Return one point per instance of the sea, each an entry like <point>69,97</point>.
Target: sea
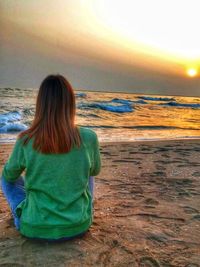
<point>115,117</point>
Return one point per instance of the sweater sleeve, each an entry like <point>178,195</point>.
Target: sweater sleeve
<point>15,164</point>
<point>96,163</point>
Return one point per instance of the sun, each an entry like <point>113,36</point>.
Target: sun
<point>192,72</point>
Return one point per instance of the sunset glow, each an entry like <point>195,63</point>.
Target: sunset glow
<point>157,24</point>
<point>103,43</point>
<point>163,30</point>
<point>192,72</point>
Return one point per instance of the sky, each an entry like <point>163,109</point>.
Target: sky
<point>105,45</point>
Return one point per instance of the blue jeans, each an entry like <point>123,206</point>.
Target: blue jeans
<point>15,194</point>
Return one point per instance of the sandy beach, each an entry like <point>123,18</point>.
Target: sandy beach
<point>146,212</point>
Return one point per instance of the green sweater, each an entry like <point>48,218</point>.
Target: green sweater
<point>58,202</point>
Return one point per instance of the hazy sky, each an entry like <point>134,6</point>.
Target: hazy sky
<point>133,46</point>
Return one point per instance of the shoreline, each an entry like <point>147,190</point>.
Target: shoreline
<point>128,141</point>
<point>151,140</point>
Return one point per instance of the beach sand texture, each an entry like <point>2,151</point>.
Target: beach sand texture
<point>146,212</point>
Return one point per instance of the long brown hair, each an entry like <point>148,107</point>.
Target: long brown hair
<point>53,128</point>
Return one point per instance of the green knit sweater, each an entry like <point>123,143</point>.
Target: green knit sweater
<point>58,202</point>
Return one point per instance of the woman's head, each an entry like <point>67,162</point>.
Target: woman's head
<point>56,100</point>
<point>53,127</point>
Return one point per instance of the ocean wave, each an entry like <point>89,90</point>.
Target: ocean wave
<point>100,126</point>
<point>81,95</point>
<point>88,115</point>
<point>127,102</point>
<point>118,109</point>
<point>184,105</point>
<point>121,101</point>
<point>157,98</point>
<point>105,106</point>
<point>11,116</point>
<point>13,127</point>
<point>115,105</point>
<point>9,122</point>
<point>152,127</point>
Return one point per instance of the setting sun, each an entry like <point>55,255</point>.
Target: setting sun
<point>191,72</point>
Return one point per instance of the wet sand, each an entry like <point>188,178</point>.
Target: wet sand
<point>146,212</point>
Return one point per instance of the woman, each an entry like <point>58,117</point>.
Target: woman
<point>54,201</point>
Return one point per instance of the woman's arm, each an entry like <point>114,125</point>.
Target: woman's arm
<point>96,166</point>
<point>15,164</point>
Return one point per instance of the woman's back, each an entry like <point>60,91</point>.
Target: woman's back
<point>58,200</point>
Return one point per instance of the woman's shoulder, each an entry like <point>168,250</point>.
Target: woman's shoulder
<point>24,141</point>
<point>87,133</point>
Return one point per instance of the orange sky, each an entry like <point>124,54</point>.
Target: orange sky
<point>77,39</point>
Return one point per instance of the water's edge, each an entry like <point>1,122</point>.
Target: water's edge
<point>190,138</point>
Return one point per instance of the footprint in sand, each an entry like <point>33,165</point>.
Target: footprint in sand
<point>151,201</point>
<point>160,168</point>
<point>116,255</point>
<point>189,210</point>
<point>165,156</point>
<point>159,173</point>
<point>192,265</point>
<point>196,174</point>
<point>148,262</point>
<point>196,217</point>
<point>13,264</point>
<point>9,224</point>
<point>160,238</point>
<point>180,182</point>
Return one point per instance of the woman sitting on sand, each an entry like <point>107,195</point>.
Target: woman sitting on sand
<point>54,201</point>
